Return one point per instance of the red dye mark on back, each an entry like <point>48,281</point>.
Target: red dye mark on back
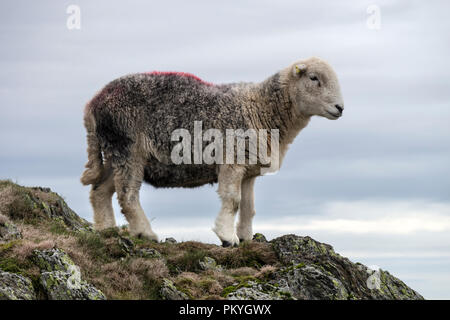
<point>109,92</point>
<point>179,74</point>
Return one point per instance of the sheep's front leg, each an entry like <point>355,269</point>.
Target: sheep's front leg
<point>246,210</point>
<point>230,178</point>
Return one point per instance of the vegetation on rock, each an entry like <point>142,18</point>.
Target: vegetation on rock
<point>48,252</point>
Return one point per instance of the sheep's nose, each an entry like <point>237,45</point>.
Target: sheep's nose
<point>339,107</point>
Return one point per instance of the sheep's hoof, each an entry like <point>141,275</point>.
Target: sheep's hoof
<point>152,238</point>
<point>227,244</point>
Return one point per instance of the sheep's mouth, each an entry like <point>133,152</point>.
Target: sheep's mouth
<point>333,114</point>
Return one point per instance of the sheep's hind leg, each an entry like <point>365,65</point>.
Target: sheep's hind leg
<point>128,180</point>
<point>246,210</point>
<point>229,190</point>
<point>101,200</point>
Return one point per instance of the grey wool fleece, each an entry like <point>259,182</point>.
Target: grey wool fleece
<point>153,105</point>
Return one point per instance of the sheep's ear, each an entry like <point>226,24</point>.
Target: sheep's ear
<point>299,69</point>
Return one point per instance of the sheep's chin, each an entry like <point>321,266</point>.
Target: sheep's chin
<point>331,116</point>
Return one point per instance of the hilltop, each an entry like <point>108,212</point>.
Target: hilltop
<point>48,252</point>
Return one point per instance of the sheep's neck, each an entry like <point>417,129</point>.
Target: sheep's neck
<point>274,110</point>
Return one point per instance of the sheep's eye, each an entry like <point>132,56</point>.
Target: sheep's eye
<point>314,78</point>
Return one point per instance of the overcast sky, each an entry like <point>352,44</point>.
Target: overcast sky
<point>374,184</point>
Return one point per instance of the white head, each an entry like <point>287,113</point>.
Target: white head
<point>314,89</point>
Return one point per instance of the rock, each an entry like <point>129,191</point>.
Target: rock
<point>209,263</point>
<point>258,291</point>
<point>60,285</point>
<point>250,294</point>
<point>308,282</point>
<point>59,210</point>
<point>8,231</point>
<point>170,292</point>
<point>52,260</point>
<point>259,237</point>
<point>147,253</point>
<point>126,244</point>
<point>314,271</point>
<point>61,278</point>
<point>128,247</point>
<point>15,287</point>
<point>43,189</point>
<point>292,249</point>
<point>39,203</point>
<point>170,240</point>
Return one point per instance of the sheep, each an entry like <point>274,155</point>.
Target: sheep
<point>130,121</point>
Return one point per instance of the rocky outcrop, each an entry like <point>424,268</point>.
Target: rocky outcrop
<point>38,230</point>
<point>61,278</point>
<point>31,204</point>
<point>59,210</point>
<point>311,270</point>
<point>314,271</point>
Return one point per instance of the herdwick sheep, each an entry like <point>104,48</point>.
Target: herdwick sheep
<point>130,121</point>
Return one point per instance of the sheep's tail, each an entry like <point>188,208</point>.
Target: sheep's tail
<point>94,166</point>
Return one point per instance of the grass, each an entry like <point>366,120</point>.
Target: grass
<point>187,261</point>
<point>10,264</point>
<point>58,227</point>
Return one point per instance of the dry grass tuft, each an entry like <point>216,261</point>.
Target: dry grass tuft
<point>25,250</point>
<point>198,286</point>
<point>117,282</point>
<point>251,254</point>
<point>153,269</point>
<point>3,219</point>
<point>224,278</point>
<point>265,272</point>
<point>243,271</point>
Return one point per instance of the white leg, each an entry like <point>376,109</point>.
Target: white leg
<point>128,182</point>
<point>246,210</point>
<point>101,200</point>
<point>229,190</point>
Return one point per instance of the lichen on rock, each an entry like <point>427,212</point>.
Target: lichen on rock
<point>8,230</point>
<point>15,287</point>
<point>209,263</point>
<point>259,237</point>
<point>253,290</point>
<point>169,291</point>
<point>52,260</point>
<point>314,271</point>
<point>61,278</point>
<point>58,286</point>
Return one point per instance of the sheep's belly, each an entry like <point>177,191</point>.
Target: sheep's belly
<point>162,175</point>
